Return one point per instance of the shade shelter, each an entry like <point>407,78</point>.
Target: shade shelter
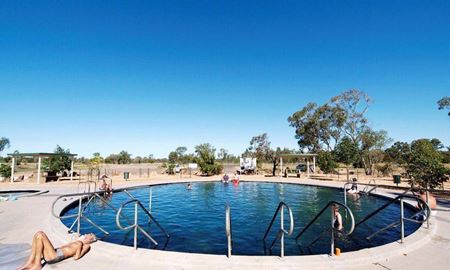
<point>39,156</point>
<point>308,157</point>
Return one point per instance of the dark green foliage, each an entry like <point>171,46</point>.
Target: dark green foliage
<point>424,166</point>
<point>206,159</point>
<point>326,161</point>
<point>444,104</point>
<point>346,151</point>
<point>398,153</point>
<point>5,170</point>
<point>4,143</point>
<point>58,163</point>
<point>316,127</point>
<point>124,157</point>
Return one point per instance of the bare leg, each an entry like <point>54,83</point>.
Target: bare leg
<point>41,248</point>
<point>33,253</point>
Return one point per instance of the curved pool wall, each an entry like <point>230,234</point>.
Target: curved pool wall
<point>195,218</point>
<point>21,193</point>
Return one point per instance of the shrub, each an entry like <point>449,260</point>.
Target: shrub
<point>5,170</point>
<point>326,162</point>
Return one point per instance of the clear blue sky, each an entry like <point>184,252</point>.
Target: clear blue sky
<point>149,76</point>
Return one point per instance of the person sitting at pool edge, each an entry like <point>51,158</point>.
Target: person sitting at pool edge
<point>354,188</point>
<point>104,186</point>
<point>337,218</point>
<point>225,178</point>
<point>42,249</point>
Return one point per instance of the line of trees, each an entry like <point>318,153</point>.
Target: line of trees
<point>339,132</point>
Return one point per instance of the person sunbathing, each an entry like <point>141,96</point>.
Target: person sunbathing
<point>42,249</point>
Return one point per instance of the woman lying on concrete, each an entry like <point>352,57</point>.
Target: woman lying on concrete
<point>42,249</point>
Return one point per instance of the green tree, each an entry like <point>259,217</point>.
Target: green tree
<point>444,104</point>
<point>398,153</point>
<point>326,161</point>
<point>424,166</point>
<point>59,162</point>
<point>372,148</point>
<point>351,107</point>
<point>206,159</point>
<point>4,143</point>
<point>112,159</point>
<point>124,157</point>
<point>316,127</point>
<point>5,170</point>
<point>346,152</point>
<point>260,148</point>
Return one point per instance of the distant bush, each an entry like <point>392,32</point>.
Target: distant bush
<point>5,170</point>
<point>385,169</point>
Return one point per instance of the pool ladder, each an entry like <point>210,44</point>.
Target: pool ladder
<point>282,231</point>
<point>426,212</point>
<point>135,226</point>
<point>89,196</point>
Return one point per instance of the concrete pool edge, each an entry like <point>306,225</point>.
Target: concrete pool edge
<point>361,257</point>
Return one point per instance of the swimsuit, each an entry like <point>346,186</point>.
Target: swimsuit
<point>59,257</point>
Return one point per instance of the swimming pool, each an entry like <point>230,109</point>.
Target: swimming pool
<point>195,218</point>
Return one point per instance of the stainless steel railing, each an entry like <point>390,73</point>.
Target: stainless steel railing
<point>89,196</point>
<point>425,213</point>
<point>87,184</point>
<point>368,188</point>
<point>228,229</point>
<point>282,232</point>
<point>331,228</point>
<point>135,226</point>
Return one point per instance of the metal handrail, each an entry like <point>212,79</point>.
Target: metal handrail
<point>282,231</point>
<point>400,197</point>
<point>136,226</point>
<point>228,229</point>
<point>374,187</point>
<point>332,229</point>
<point>88,184</point>
<point>149,200</point>
<point>79,216</point>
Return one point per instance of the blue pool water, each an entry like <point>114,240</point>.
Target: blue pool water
<point>195,219</point>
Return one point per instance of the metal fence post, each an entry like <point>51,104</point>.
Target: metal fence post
<point>402,223</point>
<point>79,216</point>
<point>332,232</point>
<point>135,224</point>
<point>282,230</point>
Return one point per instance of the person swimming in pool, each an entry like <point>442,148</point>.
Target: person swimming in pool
<point>337,218</point>
<point>42,249</point>
<point>225,178</point>
<point>354,187</point>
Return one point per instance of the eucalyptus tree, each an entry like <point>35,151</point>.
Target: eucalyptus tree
<point>4,143</point>
<point>317,127</point>
<point>372,148</point>
<point>444,104</point>
<point>346,152</point>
